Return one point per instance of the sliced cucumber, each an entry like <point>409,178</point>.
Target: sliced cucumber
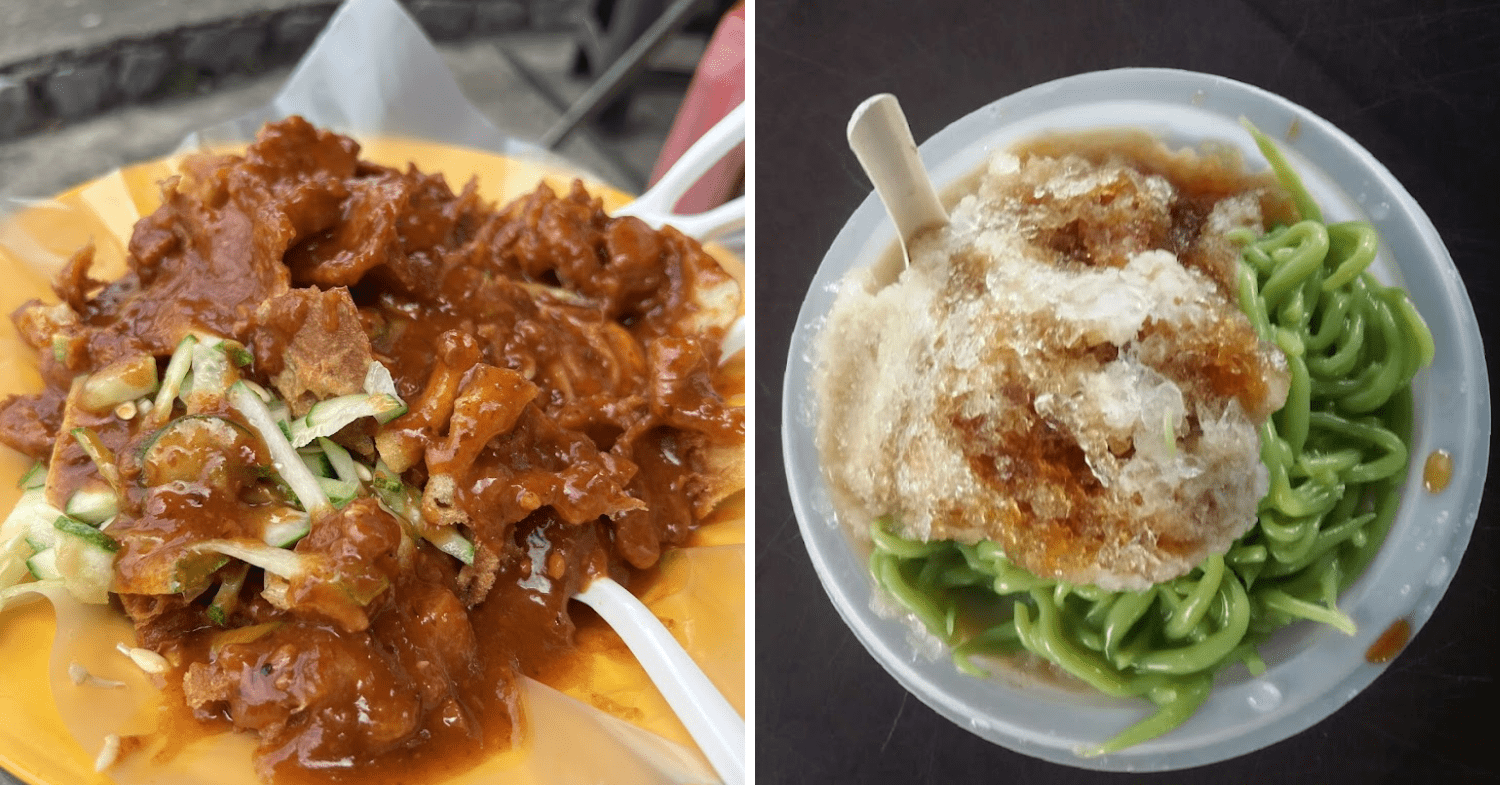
<point>86,560</point>
<point>42,534</point>
<point>343,463</point>
<point>260,392</point>
<point>100,454</point>
<point>14,553</point>
<point>188,572</point>
<point>286,460</point>
<point>282,415</point>
<point>397,500</point>
<point>188,447</point>
<point>213,374</point>
<point>70,527</point>
<point>227,598</point>
<point>327,418</point>
<point>401,501</point>
<point>284,526</point>
<point>280,412</point>
<point>388,408</point>
<point>290,565</point>
<point>171,381</point>
<point>277,561</point>
<point>35,477</point>
<point>120,381</point>
<point>316,462</point>
<point>236,352</point>
<point>94,503</point>
<point>391,490</point>
<point>449,541</point>
<point>31,507</point>
<point>339,492</point>
<point>22,593</point>
<point>43,565</point>
<point>31,521</point>
<point>194,573</point>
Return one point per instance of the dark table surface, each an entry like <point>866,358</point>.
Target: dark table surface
<point>1416,83</point>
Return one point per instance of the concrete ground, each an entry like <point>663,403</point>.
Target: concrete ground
<point>30,29</point>
<point>521,81</point>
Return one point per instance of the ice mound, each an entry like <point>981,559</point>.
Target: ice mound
<point>1061,370</point>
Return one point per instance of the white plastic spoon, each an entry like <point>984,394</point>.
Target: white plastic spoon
<point>882,141</point>
<point>714,724</point>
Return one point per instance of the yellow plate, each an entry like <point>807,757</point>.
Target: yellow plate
<point>699,595</point>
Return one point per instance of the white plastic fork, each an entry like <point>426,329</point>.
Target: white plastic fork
<point>714,724</point>
<point>655,205</point>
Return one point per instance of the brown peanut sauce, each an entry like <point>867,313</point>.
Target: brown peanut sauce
<point>611,401</point>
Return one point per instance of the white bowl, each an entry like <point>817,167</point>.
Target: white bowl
<point>1313,669</point>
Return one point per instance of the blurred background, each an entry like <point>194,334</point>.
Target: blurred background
<point>87,86</point>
